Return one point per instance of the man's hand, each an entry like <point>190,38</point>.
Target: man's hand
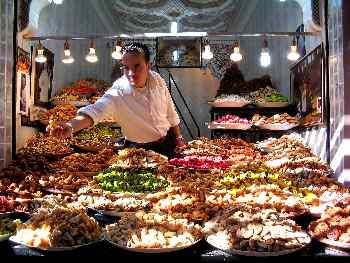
<point>61,131</point>
<point>65,130</point>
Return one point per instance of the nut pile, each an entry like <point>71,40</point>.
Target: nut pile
<point>275,119</point>
<point>84,162</point>
<point>137,158</point>
<point>152,230</point>
<point>59,227</point>
<point>254,231</point>
<point>334,223</point>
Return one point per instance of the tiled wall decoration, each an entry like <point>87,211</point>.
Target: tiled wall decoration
<point>6,68</point>
<point>346,56</point>
<point>336,83</point>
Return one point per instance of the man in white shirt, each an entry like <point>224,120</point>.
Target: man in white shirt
<point>139,101</point>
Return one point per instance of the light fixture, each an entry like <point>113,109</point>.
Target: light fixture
<point>40,57</point>
<point>293,55</point>
<point>67,58</point>
<point>207,54</point>
<point>91,57</point>
<point>173,27</point>
<point>175,55</point>
<point>265,58</point>
<point>282,0</point>
<point>236,56</point>
<point>117,53</point>
<point>57,2</point>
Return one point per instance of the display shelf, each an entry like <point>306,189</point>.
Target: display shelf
<point>250,110</point>
<point>249,135</point>
<point>253,134</point>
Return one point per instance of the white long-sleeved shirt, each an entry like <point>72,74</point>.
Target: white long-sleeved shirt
<point>145,115</point>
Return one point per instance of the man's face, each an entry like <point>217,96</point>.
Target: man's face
<point>135,69</point>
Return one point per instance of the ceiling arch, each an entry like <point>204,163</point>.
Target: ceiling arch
<point>156,15</point>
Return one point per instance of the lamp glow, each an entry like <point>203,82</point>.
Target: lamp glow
<point>57,2</point>
<point>207,54</point>
<point>293,55</point>
<point>40,58</point>
<point>173,27</point>
<point>175,55</point>
<point>67,59</point>
<point>91,57</point>
<point>236,56</point>
<point>265,59</point>
<point>117,53</point>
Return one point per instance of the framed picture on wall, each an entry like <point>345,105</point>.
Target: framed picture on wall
<point>23,82</point>
<point>42,78</point>
<point>308,88</point>
<point>175,52</point>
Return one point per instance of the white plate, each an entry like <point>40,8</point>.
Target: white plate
<point>14,240</point>
<point>335,243</point>
<point>255,253</point>
<point>237,126</point>
<point>277,126</point>
<point>227,104</point>
<point>272,104</point>
<point>151,250</point>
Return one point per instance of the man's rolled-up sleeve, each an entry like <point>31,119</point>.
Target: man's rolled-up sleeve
<point>103,109</point>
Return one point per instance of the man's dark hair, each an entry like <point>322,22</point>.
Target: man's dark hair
<point>137,48</point>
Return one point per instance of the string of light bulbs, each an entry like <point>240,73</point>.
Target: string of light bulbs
<point>207,54</point>
<point>265,58</point>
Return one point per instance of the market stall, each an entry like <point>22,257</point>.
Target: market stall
<point>252,188</point>
<point>223,196</point>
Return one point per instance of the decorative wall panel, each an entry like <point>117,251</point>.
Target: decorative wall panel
<point>6,72</point>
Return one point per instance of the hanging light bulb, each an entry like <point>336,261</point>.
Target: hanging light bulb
<point>293,55</point>
<point>173,27</point>
<point>265,58</point>
<point>91,57</point>
<point>67,59</point>
<point>236,55</point>
<point>175,55</point>
<point>207,54</point>
<point>57,2</point>
<point>117,53</point>
<point>40,57</point>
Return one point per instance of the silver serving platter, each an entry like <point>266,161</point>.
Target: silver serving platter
<point>277,104</point>
<point>14,240</point>
<point>254,253</point>
<point>151,250</point>
<point>277,126</point>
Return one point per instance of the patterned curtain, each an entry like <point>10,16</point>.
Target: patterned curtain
<point>221,60</point>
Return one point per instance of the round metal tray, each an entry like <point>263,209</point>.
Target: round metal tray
<point>152,250</point>
<point>272,104</point>
<point>14,240</point>
<point>277,127</point>
<point>254,253</point>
